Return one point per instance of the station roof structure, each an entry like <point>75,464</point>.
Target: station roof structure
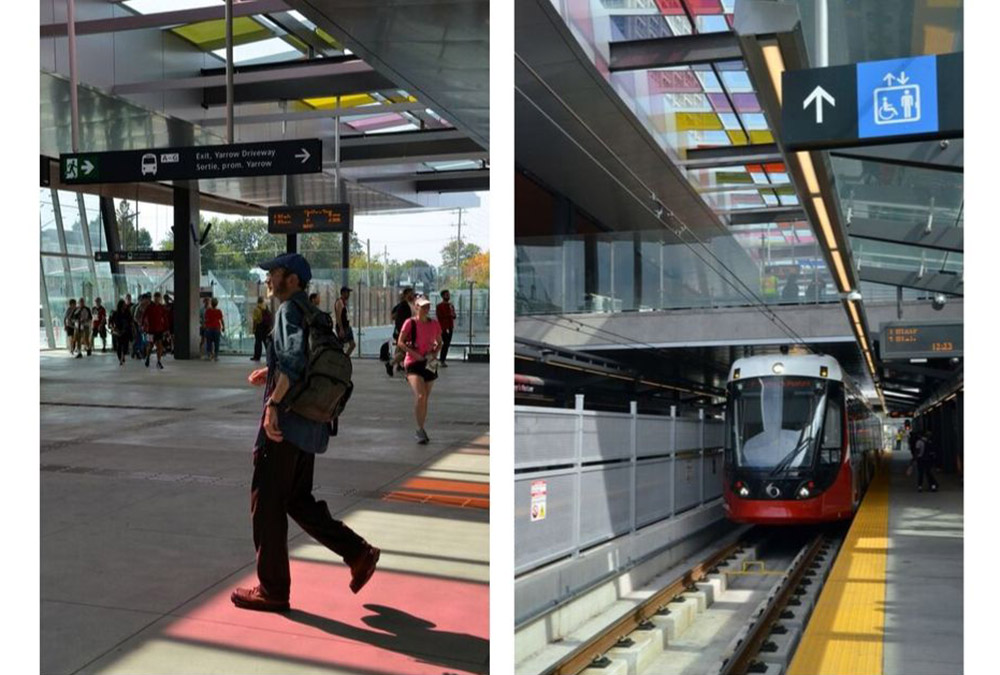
<point>410,95</point>
<point>702,139</point>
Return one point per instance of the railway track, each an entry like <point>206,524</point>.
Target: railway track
<point>742,609</point>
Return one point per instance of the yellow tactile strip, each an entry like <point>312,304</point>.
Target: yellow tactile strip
<point>846,631</point>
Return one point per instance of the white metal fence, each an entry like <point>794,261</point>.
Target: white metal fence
<point>584,477</point>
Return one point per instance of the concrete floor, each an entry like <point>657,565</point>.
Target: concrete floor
<point>145,526</point>
<point>924,576</point>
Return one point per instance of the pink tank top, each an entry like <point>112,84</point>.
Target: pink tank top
<point>427,334</point>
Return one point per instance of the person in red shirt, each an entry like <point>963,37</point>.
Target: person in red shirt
<point>100,315</point>
<point>214,325</point>
<point>155,323</point>
<point>445,312</point>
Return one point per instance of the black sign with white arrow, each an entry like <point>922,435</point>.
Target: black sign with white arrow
<point>901,100</point>
<point>276,158</point>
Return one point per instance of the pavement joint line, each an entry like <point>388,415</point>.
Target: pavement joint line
<point>117,406</point>
<point>97,606</point>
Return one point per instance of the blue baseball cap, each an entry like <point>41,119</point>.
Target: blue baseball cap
<point>293,262</point>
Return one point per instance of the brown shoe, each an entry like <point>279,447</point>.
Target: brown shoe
<point>363,568</point>
<point>254,598</point>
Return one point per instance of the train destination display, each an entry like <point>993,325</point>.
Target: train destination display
<point>922,340</point>
<point>272,158</point>
<point>311,218</point>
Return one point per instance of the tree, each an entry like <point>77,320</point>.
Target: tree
<point>477,268</point>
<point>131,237</point>
<point>453,257</point>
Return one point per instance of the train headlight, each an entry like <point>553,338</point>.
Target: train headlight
<point>778,368</point>
<point>804,492</point>
<point>744,492</point>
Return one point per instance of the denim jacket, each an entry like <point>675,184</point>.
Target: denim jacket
<point>286,354</point>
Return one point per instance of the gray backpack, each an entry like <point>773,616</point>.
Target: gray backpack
<point>325,388</point>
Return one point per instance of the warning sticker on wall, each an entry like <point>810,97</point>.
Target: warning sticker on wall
<point>538,493</point>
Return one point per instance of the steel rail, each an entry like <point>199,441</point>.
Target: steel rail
<point>609,637</point>
<point>746,652</point>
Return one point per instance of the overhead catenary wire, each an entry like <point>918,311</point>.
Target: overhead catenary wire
<point>735,282</point>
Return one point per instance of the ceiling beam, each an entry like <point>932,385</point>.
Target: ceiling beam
<point>163,19</point>
<point>935,282</point>
<point>708,158</point>
<point>361,80</point>
<point>946,238</point>
<point>408,147</point>
<point>317,114</point>
<point>936,155</point>
<point>773,215</point>
<point>449,184</point>
<point>915,369</point>
<point>681,50</point>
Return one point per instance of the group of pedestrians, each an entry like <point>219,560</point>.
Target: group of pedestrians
<point>211,326</point>
<point>136,328</point>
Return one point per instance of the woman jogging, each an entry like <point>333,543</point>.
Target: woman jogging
<point>121,330</point>
<point>420,338</point>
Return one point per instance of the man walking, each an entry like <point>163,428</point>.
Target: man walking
<point>100,324</point>
<point>925,461</point>
<point>261,323</point>
<point>400,313</point>
<point>83,328</point>
<point>285,454</point>
<point>344,330</point>
<point>69,325</point>
<point>155,324</point>
<point>445,312</point>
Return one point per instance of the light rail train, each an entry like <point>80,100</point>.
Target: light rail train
<point>801,441</point>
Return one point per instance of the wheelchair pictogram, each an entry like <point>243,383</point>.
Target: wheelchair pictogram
<point>898,102</point>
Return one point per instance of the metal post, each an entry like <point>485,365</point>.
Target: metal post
<point>74,103</point>
<point>822,34</point>
<point>673,460</point>
<point>578,478</point>
<point>50,336</point>
<point>634,412</point>
<point>701,456</point>
<point>229,71</point>
<point>472,304</point>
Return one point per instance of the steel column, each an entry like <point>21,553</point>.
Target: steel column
<point>74,103</point>
<point>229,72</point>
<point>187,269</point>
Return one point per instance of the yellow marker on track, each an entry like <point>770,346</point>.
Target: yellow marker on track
<point>846,632</point>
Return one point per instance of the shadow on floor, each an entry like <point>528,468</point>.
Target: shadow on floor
<point>398,631</point>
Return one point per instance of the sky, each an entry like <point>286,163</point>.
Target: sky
<point>420,234</point>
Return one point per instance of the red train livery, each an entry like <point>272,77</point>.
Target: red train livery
<point>801,441</point>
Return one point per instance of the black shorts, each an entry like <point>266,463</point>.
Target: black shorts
<point>102,331</point>
<point>156,337</point>
<point>420,368</point>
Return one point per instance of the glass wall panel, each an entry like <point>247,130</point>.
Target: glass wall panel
<point>72,223</point>
<point>50,234</point>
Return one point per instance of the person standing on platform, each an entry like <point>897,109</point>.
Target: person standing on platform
<point>445,313</point>
<point>138,320</point>
<point>261,325</point>
<point>420,339</point>
<point>285,455</point>
<point>214,326</point>
<point>84,320</point>
<point>155,324</point>
<point>344,330</point>
<point>69,325</point>
<point>121,330</point>
<point>202,351</point>
<point>925,461</point>
<point>400,313</point>
<point>100,324</point>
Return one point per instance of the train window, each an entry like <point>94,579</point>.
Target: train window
<point>832,432</point>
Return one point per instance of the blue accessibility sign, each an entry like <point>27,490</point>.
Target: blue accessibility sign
<point>897,97</point>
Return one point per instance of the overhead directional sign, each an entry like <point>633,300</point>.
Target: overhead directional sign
<point>876,102</point>
<point>134,256</point>
<point>922,339</point>
<point>191,163</point>
<point>312,218</point>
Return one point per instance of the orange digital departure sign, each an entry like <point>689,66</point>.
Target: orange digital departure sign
<point>929,340</point>
<point>311,218</point>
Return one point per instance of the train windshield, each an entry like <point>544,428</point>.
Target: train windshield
<point>775,422</point>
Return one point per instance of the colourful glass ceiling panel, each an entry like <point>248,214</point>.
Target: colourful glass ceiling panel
<point>204,33</point>
<point>744,102</point>
<point>674,82</point>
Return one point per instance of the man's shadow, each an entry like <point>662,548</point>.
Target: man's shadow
<point>397,631</point>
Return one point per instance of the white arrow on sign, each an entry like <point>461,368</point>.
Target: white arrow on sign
<point>819,94</point>
<point>304,155</point>
<point>87,167</point>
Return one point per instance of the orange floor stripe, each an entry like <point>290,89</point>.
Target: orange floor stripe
<point>441,500</point>
<point>440,485</point>
<point>846,632</point>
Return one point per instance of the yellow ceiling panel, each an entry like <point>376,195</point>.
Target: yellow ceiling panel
<point>687,121</point>
<point>245,29</point>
